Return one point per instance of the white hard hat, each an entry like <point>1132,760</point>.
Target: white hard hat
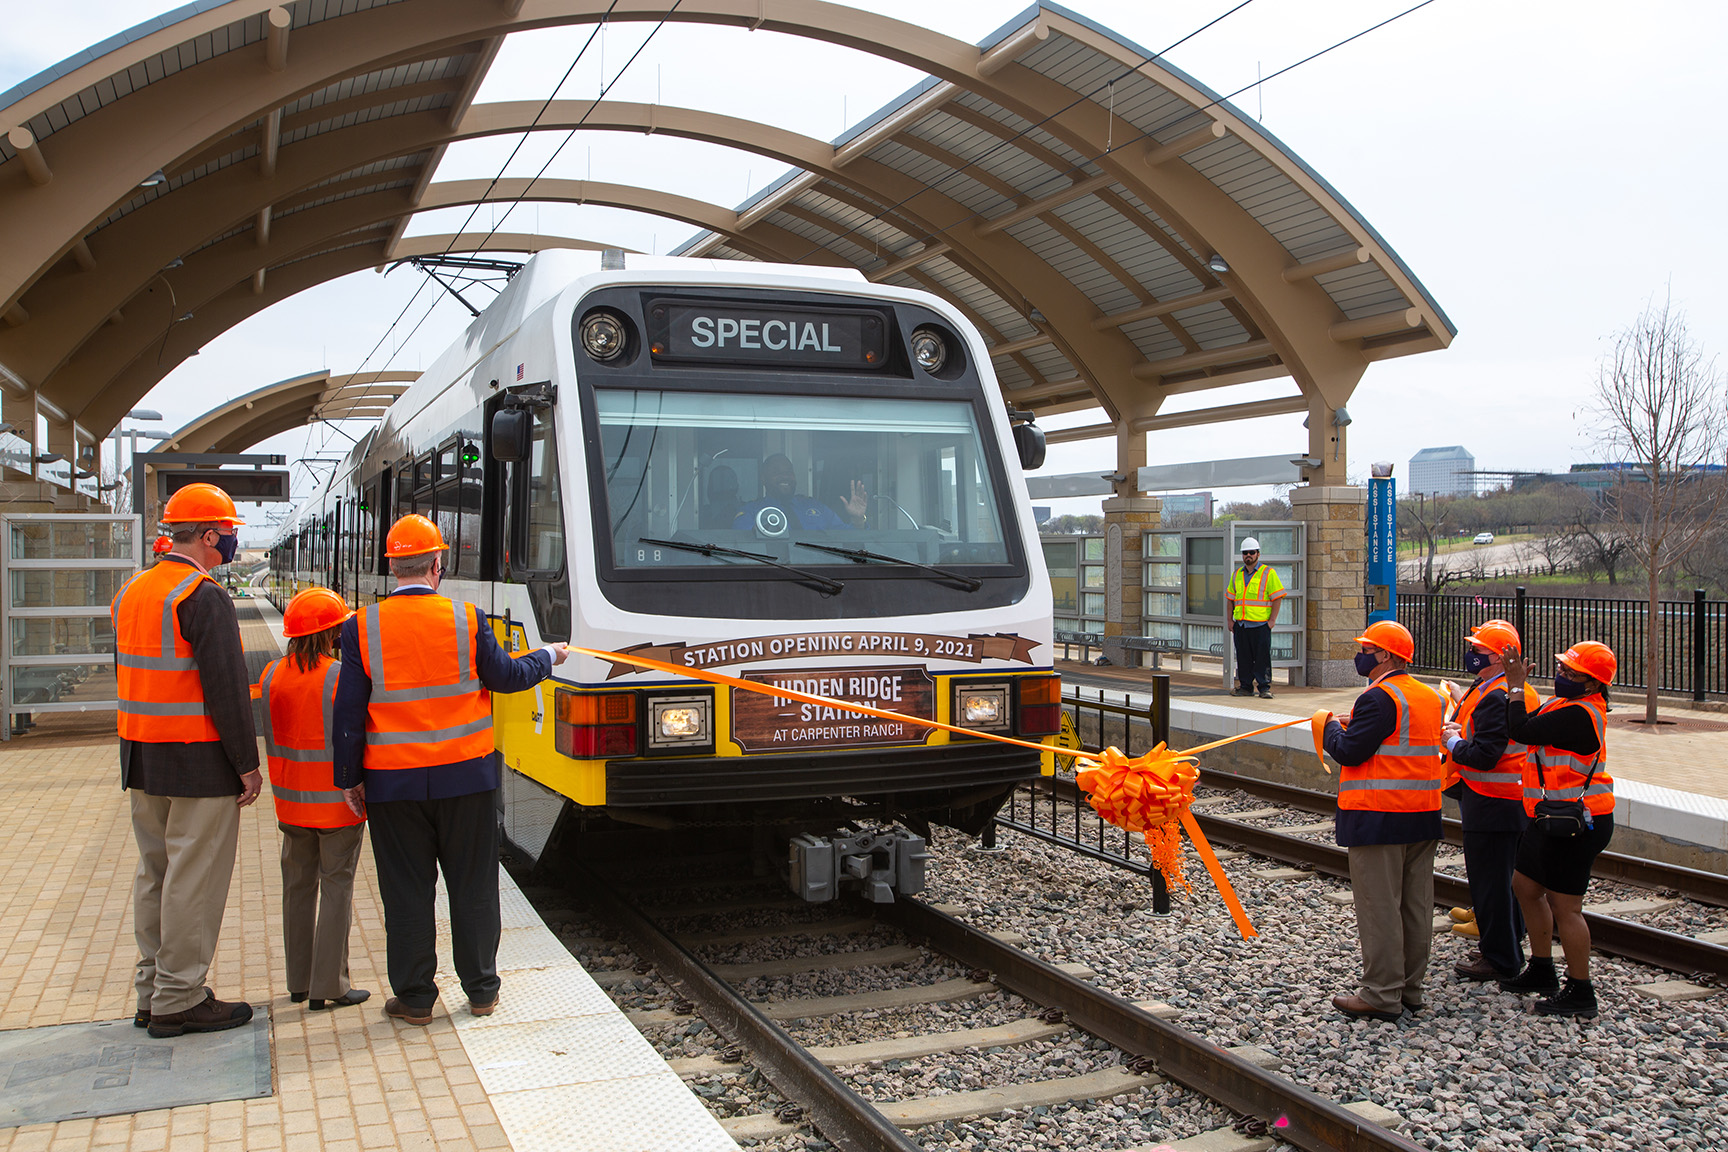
<point>1250,545</point>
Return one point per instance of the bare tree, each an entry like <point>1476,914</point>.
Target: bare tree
<point>1598,546</point>
<point>1662,410</point>
<point>1427,519</point>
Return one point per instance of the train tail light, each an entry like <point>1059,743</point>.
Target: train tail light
<point>1040,710</point>
<point>591,725</point>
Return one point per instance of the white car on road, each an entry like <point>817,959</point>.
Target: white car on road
<point>1483,538</point>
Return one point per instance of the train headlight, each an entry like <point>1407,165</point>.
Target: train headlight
<point>929,350</point>
<point>983,707</point>
<point>603,336</point>
<point>681,723</point>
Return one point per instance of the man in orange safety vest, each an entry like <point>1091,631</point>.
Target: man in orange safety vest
<point>1389,818</point>
<point>413,718</point>
<point>188,759</point>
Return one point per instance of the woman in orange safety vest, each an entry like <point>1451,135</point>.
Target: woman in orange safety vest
<point>321,833</point>
<point>1568,760</point>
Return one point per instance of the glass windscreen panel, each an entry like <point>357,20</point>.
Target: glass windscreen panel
<point>769,474</point>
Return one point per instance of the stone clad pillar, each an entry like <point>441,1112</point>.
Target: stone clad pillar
<point>1337,608</point>
<point>1125,519</point>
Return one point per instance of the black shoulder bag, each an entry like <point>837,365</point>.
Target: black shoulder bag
<point>1564,817</point>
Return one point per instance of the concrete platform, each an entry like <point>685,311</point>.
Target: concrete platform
<point>556,1067</point>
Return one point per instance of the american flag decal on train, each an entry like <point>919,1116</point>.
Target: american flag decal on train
<point>519,368</point>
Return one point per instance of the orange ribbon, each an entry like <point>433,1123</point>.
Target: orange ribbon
<point>1149,794</point>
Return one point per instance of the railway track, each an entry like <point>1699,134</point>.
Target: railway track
<point>1671,951</point>
<point>1152,1051</point>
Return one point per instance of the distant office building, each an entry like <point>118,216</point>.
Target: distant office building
<point>1442,472</point>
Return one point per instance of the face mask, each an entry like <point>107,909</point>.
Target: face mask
<point>228,545</point>
<point>1366,662</point>
<point>1568,689</point>
<point>1475,661</point>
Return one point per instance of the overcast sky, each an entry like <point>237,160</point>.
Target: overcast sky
<point>1544,168</point>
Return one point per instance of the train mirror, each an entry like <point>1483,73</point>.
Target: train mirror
<point>510,432</point>
<point>1029,442</point>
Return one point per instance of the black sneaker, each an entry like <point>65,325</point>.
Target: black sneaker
<point>1538,976</point>
<point>1577,998</point>
<point>1242,692</point>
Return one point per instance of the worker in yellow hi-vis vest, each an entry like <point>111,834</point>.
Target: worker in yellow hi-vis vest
<point>1251,609</point>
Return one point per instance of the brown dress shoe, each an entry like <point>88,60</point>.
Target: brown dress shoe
<point>1480,969</point>
<point>476,1008</point>
<point>212,1015</point>
<point>396,1010</point>
<point>1359,1009</point>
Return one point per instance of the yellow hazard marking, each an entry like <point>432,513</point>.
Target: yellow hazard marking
<point>1067,738</point>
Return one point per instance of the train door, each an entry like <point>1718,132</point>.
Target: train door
<point>527,481</point>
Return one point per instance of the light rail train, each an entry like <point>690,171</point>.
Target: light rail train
<point>786,474</point>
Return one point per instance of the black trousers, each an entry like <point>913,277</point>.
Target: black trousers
<point>1488,859</point>
<point>412,841</point>
<point>1253,655</point>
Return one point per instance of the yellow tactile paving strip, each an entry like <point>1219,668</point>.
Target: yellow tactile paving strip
<point>346,1080</point>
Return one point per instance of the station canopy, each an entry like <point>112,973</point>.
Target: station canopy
<point>1118,233</point>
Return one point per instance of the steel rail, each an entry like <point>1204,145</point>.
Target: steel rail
<point>1692,883</point>
<point>845,1118</point>
<point>1670,951</point>
<point>1301,1117</point>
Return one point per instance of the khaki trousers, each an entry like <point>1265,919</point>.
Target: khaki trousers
<point>186,848</point>
<point>1393,885</point>
<point>318,906</point>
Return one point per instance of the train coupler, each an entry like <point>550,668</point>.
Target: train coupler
<point>877,863</point>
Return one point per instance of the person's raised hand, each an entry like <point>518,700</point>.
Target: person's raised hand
<point>1512,663</point>
<point>560,653</point>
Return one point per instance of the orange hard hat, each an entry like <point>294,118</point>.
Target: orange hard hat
<point>163,544</point>
<point>1392,637</point>
<point>197,502</point>
<point>1496,636</point>
<point>413,535</point>
<point>1594,660</point>
<point>312,611</point>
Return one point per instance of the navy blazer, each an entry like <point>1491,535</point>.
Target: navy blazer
<point>499,672</point>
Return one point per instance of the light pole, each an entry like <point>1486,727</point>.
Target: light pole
<point>144,414</point>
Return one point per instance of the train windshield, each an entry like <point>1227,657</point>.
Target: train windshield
<point>775,474</point>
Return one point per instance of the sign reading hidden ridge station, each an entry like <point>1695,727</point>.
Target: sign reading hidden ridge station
<point>762,723</point>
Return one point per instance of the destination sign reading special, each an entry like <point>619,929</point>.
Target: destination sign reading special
<point>722,332</point>
<point>762,723</point>
<point>971,649</point>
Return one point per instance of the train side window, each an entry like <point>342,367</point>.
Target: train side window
<point>424,473</point>
<point>469,503</point>
<point>544,523</point>
<point>369,513</point>
<point>444,499</point>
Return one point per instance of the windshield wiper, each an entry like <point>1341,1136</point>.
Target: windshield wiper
<point>828,586</point>
<point>859,555</point>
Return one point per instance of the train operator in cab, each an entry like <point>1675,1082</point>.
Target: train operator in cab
<point>1568,762</point>
<point>188,760</point>
<point>414,744</point>
<point>1485,774</point>
<point>1254,595</point>
<point>321,834</point>
<point>1389,819</point>
<point>780,490</point>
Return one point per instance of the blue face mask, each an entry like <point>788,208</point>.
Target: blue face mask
<point>1366,662</point>
<point>1568,689</point>
<point>227,545</point>
<point>1475,661</point>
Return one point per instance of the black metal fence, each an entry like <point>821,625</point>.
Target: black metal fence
<point>1693,634</point>
<point>1040,811</point>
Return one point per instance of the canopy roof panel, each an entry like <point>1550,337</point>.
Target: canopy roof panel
<point>1119,233</point>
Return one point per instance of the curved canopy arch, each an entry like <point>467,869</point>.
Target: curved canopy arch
<point>1114,253</point>
<point>292,403</point>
